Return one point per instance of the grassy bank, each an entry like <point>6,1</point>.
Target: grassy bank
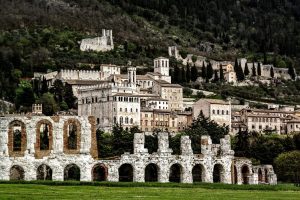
<point>32,190</point>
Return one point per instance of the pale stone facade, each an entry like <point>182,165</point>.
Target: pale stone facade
<point>103,43</point>
<point>216,110</point>
<point>216,163</point>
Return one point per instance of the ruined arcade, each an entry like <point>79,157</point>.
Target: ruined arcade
<point>65,148</point>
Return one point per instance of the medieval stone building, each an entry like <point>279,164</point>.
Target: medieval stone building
<point>65,148</point>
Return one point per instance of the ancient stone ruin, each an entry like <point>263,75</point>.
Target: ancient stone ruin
<point>103,43</point>
<point>65,148</point>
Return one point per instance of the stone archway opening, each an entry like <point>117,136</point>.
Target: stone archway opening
<point>126,173</point>
<point>44,172</point>
<point>72,173</point>
<point>266,176</point>
<point>198,173</point>
<point>260,176</point>
<point>235,175</point>
<point>245,174</point>
<point>16,173</point>
<point>99,173</point>
<point>151,173</point>
<point>175,173</point>
<point>218,173</point>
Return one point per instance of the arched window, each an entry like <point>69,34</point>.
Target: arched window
<point>44,136</point>
<point>115,120</point>
<point>99,172</point>
<point>72,136</point>
<point>131,121</point>
<point>126,120</point>
<point>121,120</point>
<point>218,174</point>
<point>16,138</point>
<point>198,173</point>
<point>245,174</point>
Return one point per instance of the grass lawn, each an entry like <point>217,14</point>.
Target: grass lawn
<point>35,191</point>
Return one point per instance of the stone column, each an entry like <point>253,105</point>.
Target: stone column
<point>163,144</point>
<point>57,173</point>
<point>185,146</point>
<point>113,173</point>
<point>206,145</point>
<point>164,171</point>
<point>139,171</point>
<point>139,144</point>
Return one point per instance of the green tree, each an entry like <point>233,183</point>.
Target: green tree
<point>246,71</point>
<point>272,72</point>
<point>183,75</point>
<point>221,74</point>
<point>69,97</point>
<point>24,96</point>
<point>253,70</point>
<point>44,88</point>
<point>259,69</point>
<point>49,104</point>
<point>291,72</point>
<point>239,73</point>
<point>287,166</point>
<point>194,58</point>
<point>58,90</point>
<point>177,74</point>
<point>194,73</point>
<point>203,71</point>
<point>188,73</point>
<point>210,71</point>
<point>216,76</point>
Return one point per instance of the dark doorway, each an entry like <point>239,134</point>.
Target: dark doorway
<point>245,174</point>
<point>197,173</point>
<point>218,173</point>
<point>151,173</point>
<point>99,173</point>
<point>175,173</point>
<point>72,173</point>
<point>126,173</point>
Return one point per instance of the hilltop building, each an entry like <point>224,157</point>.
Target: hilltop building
<point>103,43</point>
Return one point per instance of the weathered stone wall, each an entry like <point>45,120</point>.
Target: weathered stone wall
<point>86,157</point>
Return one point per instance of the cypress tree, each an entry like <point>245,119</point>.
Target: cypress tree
<point>239,73</point>
<point>246,71</point>
<point>203,71</point>
<point>209,71</point>
<point>194,73</point>
<point>259,69</point>
<point>44,88</point>
<point>216,77</point>
<point>183,75</point>
<point>188,73</point>
<point>176,74</point>
<point>291,72</point>
<point>272,72</point>
<point>221,74</point>
<point>179,80</point>
<point>236,65</point>
<point>253,70</point>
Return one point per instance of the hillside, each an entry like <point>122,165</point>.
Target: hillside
<point>38,35</point>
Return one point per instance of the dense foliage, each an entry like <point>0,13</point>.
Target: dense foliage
<point>287,166</point>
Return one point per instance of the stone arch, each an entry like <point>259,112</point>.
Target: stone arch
<point>72,172</point>
<point>44,135</point>
<point>260,175</point>
<point>235,175</point>
<point>245,174</point>
<point>16,173</point>
<point>151,173</point>
<point>44,172</point>
<point>175,173</point>
<point>99,172</point>
<point>17,141</point>
<point>198,173</point>
<point>266,176</point>
<point>72,136</point>
<point>218,173</point>
<point>126,173</point>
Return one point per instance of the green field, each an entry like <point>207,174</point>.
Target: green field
<point>144,191</point>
